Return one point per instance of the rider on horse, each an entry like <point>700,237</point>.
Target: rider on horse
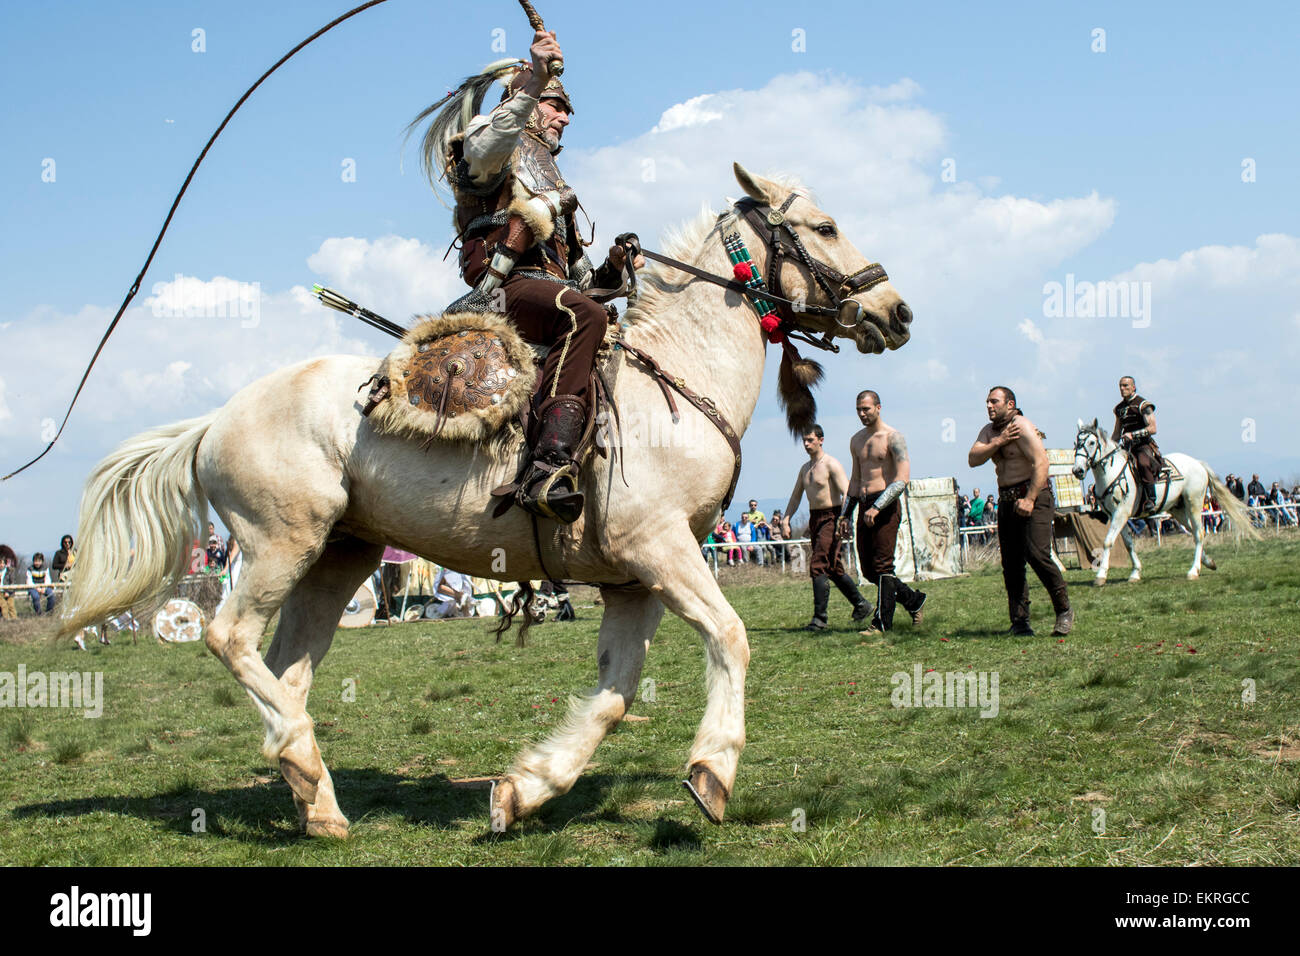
<point>522,254</point>
<point>1135,428</point>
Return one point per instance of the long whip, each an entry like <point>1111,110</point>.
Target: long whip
<point>135,286</point>
<point>555,65</point>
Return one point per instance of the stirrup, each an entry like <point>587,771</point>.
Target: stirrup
<point>550,491</point>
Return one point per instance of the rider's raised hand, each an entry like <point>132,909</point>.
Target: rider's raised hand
<point>544,49</point>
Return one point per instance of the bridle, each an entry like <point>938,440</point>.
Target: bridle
<point>781,242</point>
<point>768,223</point>
<point>1086,438</point>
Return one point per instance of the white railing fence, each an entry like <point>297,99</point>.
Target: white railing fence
<point>1214,521</point>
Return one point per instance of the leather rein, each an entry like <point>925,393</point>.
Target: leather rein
<point>1100,463</point>
<point>769,224</point>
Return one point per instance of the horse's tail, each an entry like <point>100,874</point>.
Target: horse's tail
<point>141,509</point>
<point>1233,507</point>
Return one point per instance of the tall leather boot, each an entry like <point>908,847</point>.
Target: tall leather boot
<point>886,598</point>
<point>821,598</point>
<point>861,606</point>
<point>549,488</point>
<point>1149,504</point>
<point>887,592</point>
<point>911,599</point>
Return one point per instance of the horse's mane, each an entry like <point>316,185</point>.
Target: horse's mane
<point>686,242</point>
<point>1096,429</point>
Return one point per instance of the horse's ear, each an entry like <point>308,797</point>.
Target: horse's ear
<point>1094,423</point>
<point>749,183</point>
<point>1080,422</point>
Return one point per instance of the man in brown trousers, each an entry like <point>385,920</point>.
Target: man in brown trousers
<point>822,478</point>
<point>881,471</point>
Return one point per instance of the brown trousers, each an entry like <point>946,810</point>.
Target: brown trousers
<point>876,542</point>
<point>573,328</point>
<point>827,558</point>
<point>1147,462</point>
<point>1029,539</point>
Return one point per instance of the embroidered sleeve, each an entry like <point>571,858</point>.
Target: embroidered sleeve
<point>491,139</point>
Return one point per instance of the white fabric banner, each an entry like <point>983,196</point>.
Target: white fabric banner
<point>929,545</point>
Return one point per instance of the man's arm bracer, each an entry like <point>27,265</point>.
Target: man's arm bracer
<point>889,495</point>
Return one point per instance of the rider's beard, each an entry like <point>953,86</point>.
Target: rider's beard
<point>551,137</point>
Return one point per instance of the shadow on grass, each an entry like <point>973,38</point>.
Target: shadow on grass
<point>264,814</point>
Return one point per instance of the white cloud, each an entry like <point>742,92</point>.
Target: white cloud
<point>392,276</point>
<point>1274,257</point>
<point>1031,331</point>
<point>691,113</point>
<point>904,89</point>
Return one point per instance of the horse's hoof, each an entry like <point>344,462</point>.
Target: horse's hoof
<point>501,804</point>
<point>1099,582</point>
<point>1134,579</point>
<point>338,829</point>
<point>1193,576</point>
<point>1209,562</point>
<point>302,784</point>
<point>708,792</point>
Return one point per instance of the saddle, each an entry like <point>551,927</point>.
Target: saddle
<point>460,377</point>
<point>1166,476</point>
<point>470,377</point>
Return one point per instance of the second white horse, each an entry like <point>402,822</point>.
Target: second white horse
<point>1181,497</point>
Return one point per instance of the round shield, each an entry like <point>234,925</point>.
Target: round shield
<point>179,622</point>
<point>360,611</point>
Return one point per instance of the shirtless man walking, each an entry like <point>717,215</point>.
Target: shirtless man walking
<point>881,471</point>
<point>823,480</point>
<point>1025,508</point>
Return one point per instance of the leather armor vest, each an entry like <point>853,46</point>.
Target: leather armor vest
<point>1131,414</point>
<point>482,213</point>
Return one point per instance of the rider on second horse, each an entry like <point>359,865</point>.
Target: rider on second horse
<point>521,251</point>
<point>1135,428</point>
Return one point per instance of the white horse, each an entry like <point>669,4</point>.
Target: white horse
<point>1182,496</point>
<point>313,492</point>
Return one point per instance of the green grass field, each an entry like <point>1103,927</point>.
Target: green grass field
<point>1127,743</point>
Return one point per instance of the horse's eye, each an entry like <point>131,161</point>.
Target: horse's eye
<point>827,230</point>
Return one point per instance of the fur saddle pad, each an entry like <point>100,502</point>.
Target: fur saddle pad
<point>457,377</point>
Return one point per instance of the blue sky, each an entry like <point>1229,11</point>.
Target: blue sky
<point>1142,143</point>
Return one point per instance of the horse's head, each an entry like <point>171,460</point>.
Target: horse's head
<point>829,272</point>
<point>1089,445</point>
